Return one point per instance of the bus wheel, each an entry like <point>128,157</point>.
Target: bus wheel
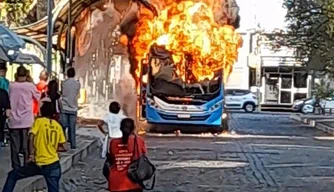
<point>221,129</point>
<point>152,128</point>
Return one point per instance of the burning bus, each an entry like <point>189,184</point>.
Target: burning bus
<point>184,56</point>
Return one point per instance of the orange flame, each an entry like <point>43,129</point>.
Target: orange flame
<point>189,28</point>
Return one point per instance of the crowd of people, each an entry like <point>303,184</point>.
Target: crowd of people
<point>32,114</point>
<point>38,116</point>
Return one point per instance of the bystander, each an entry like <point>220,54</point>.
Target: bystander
<point>53,95</point>
<point>70,95</point>
<point>21,118</point>
<point>4,114</point>
<point>4,102</point>
<point>122,153</point>
<point>4,83</point>
<point>113,121</point>
<point>41,87</point>
<point>46,139</point>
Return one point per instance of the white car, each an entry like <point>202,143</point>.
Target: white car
<point>308,105</point>
<point>240,99</point>
<point>327,104</point>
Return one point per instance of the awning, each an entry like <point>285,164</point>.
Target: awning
<point>23,58</point>
<point>3,56</point>
<point>38,30</point>
<point>9,40</point>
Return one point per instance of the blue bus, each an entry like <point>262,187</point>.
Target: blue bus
<point>168,106</point>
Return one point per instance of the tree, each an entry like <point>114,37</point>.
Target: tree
<point>310,32</point>
<point>20,13</point>
<point>323,90</point>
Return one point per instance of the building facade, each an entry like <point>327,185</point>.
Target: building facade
<point>283,79</point>
<point>275,75</point>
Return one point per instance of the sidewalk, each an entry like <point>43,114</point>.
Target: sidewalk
<point>87,141</point>
<point>322,122</point>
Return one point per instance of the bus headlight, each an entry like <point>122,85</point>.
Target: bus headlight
<point>224,115</point>
<point>152,103</point>
<point>216,106</point>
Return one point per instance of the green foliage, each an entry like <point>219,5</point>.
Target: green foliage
<point>311,32</point>
<point>17,12</point>
<point>323,90</point>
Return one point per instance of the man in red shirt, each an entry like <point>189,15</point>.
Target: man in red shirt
<point>41,87</point>
<point>122,153</point>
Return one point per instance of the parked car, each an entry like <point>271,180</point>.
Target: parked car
<point>327,104</point>
<point>307,105</point>
<point>304,105</point>
<point>240,99</point>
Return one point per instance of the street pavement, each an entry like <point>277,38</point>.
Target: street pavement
<point>266,153</point>
<point>4,164</point>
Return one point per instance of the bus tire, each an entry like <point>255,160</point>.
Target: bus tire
<point>165,129</point>
<point>156,128</point>
<point>222,128</point>
<point>152,128</point>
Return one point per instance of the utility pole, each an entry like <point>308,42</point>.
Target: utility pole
<point>48,61</point>
<point>69,36</point>
<point>258,69</point>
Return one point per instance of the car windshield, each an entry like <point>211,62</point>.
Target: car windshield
<point>309,101</point>
<point>236,92</point>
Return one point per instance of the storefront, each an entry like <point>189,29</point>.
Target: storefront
<point>283,80</point>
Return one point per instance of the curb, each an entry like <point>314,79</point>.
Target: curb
<point>295,117</point>
<point>325,128</point>
<point>314,123</point>
<point>36,184</point>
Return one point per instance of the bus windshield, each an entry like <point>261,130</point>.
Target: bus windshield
<point>164,78</point>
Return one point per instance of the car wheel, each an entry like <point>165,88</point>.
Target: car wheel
<point>249,107</point>
<point>307,109</point>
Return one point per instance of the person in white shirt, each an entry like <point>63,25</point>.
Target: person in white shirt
<point>113,121</point>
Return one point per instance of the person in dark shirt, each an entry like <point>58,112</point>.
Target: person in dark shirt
<point>4,83</point>
<point>4,114</point>
<point>53,95</point>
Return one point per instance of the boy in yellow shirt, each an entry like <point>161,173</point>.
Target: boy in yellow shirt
<point>46,139</point>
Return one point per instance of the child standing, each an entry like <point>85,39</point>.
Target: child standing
<point>113,121</point>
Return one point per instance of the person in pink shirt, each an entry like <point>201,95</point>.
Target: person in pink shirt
<point>21,94</point>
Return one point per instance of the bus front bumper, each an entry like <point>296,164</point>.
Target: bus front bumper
<point>155,116</point>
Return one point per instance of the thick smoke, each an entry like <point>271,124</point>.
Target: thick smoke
<point>102,62</point>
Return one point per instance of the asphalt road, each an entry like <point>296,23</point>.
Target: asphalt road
<point>266,153</point>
